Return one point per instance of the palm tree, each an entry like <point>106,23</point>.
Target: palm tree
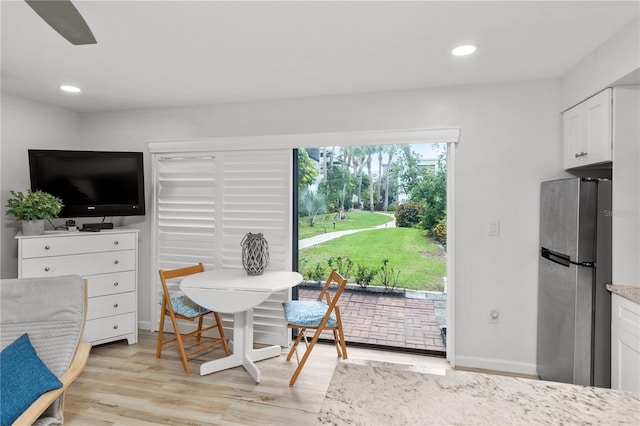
<point>391,150</point>
<point>380,150</point>
<point>370,150</point>
<point>324,163</point>
<point>315,204</point>
<point>359,157</point>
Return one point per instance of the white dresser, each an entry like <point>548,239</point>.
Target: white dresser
<point>107,259</point>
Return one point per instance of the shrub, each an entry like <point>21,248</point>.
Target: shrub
<point>408,214</point>
<point>388,275</point>
<point>364,275</point>
<point>318,272</point>
<point>342,264</point>
<point>440,231</point>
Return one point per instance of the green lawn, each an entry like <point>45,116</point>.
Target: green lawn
<point>420,262</point>
<point>324,223</point>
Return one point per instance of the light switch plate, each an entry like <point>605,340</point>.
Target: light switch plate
<point>494,228</point>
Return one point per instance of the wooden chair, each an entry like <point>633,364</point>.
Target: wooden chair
<point>183,308</point>
<point>319,315</point>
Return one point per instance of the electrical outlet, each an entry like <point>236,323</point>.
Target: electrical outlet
<point>494,315</point>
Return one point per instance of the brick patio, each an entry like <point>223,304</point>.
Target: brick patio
<point>377,318</point>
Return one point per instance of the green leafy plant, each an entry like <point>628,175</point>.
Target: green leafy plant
<point>364,275</point>
<point>408,214</point>
<point>440,230</point>
<point>34,205</point>
<point>318,272</point>
<point>342,264</point>
<point>388,275</point>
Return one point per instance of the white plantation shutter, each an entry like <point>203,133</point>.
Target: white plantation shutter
<point>204,203</point>
<point>256,197</point>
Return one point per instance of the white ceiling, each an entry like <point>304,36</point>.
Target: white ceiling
<point>153,54</point>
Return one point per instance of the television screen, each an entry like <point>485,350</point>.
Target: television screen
<point>90,183</point>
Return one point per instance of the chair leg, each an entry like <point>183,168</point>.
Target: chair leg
<point>160,333</point>
<point>199,334</point>
<point>221,332</point>
<point>343,344</point>
<point>183,355</point>
<point>336,342</point>
<point>305,356</point>
<point>295,343</point>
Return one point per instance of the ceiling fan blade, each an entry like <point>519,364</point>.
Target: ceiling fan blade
<point>63,17</point>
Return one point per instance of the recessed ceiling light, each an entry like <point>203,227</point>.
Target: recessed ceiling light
<point>70,89</point>
<point>464,50</point>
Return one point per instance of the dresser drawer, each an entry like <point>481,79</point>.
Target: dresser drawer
<point>108,327</point>
<point>119,282</point>
<point>79,264</point>
<point>115,304</point>
<point>74,244</point>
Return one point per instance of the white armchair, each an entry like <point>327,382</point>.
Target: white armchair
<point>51,311</point>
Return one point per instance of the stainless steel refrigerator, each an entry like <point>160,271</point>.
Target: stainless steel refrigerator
<point>574,306</point>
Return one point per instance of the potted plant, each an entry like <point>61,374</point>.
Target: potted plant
<point>32,208</point>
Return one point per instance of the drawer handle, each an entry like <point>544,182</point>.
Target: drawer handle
<point>47,269</point>
<point>47,247</point>
<point>115,284</point>
<point>115,262</point>
<point>582,154</point>
<point>115,243</point>
<point>115,327</point>
<point>115,305</point>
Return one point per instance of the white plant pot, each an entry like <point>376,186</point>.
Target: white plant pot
<point>33,227</point>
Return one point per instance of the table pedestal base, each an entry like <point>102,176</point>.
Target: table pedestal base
<point>242,347</point>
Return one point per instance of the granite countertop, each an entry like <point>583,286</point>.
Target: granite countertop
<point>627,291</point>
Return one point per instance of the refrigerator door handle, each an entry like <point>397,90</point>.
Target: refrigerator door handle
<point>555,257</point>
<point>562,259</point>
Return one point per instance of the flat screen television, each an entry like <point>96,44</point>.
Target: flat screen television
<point>90,183</point>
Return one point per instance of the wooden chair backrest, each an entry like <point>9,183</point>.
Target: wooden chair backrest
<point>334,277</point>
<point>175,273</point>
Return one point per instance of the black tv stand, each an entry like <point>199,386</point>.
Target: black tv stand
<point>96,227</point>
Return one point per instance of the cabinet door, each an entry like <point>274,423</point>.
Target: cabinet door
<point>587,132</point>
<point>597,111</point>
<point>625,344</point>
<point>575,147</point>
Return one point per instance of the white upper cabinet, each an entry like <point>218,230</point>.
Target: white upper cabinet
<point>587,132</point>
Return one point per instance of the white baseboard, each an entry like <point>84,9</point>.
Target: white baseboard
<point>144,325</point>
<point>496,365</point>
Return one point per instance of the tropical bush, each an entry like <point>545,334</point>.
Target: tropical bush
<point>313,204</point>
<point>408,214</point>
<point>440,231</point>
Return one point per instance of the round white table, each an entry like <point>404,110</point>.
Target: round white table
<point>235,292</point>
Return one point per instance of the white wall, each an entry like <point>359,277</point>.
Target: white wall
<point>614,60</point>
<point>27,124</point>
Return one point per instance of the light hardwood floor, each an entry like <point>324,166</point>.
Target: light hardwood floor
<point>127,385</point>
